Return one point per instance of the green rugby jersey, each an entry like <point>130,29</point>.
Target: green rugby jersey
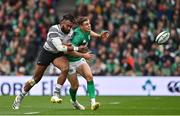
<point>79,38</point>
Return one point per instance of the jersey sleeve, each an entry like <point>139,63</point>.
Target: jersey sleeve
<point>54,39</point>
<point>53,33</point>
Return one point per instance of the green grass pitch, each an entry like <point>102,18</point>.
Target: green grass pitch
<point>110,105</point>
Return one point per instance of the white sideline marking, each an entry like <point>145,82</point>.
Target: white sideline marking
<point>32,113</point>
<point>114,103</point>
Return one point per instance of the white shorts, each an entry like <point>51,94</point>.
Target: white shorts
<point>74,65</point>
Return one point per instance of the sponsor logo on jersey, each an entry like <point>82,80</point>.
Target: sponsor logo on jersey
<point>84,41</point>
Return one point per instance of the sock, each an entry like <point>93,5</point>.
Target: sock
<point>23,93</point>
<point>93,100</point>
<point>91,89</point>
<point>57,90</point>
<point>73,94</point>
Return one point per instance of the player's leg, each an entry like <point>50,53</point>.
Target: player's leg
<point>85,71</point>
<point>72,78</point>
<point>43,60</point>
<point>74,86</point>
<point>39,71</point>
<point>62,64</point>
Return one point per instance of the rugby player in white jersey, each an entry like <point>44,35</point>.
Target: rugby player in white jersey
<point>52,52</point>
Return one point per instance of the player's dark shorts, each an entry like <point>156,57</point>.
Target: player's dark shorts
<point>45,57</point>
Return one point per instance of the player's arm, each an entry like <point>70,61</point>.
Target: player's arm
<point>55,38</point>
<point>77,40</point>
<point>95,35</point>
<point>81,55</point>
<point>103,35</point>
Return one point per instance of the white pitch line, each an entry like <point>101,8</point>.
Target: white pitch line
<point>32,113</point>
<point>114,103</point>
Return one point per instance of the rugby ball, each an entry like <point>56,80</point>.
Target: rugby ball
<point>162,37</point>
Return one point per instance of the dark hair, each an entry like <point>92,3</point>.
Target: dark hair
<point>68,17</point>
<point>80,20</point>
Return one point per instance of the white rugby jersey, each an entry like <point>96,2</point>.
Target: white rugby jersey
<point>55,32</point>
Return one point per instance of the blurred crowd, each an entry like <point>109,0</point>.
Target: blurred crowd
<point>129,51</point>
<point>134,24</point>
<point>23,28</point>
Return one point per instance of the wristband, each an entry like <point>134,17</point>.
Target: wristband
<point>75,48</point>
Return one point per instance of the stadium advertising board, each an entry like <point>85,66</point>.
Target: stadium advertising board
<point>137,86</point>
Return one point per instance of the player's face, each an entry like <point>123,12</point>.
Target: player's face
<point>86,26</point>
<point>66,26</point>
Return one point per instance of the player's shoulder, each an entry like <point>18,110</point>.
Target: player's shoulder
<point>54,28</point>
<point>77,32</point>
<point>77,29</point>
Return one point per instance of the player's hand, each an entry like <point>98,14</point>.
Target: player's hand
<point>105,35</point>
<point>88,56</point>
<point>82,48</point>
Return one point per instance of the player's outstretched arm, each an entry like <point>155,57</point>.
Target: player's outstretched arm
<point>103,35</point>
<point>95,35</point>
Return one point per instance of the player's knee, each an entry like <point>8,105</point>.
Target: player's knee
<point>65,69</point>
<point>89,77</point>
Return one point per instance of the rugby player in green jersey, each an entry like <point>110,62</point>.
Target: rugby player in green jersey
<point>80,37</point>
